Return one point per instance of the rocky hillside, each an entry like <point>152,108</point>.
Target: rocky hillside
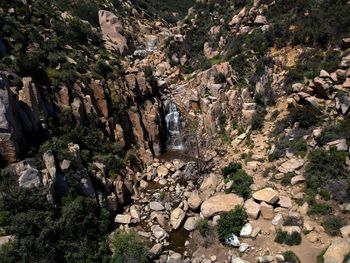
<point>160,131</point>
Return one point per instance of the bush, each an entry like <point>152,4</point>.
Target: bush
<point>319,208</point>
<point>241,180</point>
<point>219,78</point>
<point>306,116</point>
<point>335,131</point>
<point>258,119</point>
<point>290,257</point>
<point>128,247</point>
<point>332,225</point>
<point>282,237</point>
<point>231,222</point>
<point>203,227</point>
<point>293,221</point>
<point>327,169</point>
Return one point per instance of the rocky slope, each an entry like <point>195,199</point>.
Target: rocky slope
<point>262,90</point>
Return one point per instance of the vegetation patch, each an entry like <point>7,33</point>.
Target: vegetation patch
<point>231,222</point>
<point>332,225</point>
<point>282,237</point>
<point>241,180</point>
<point>327,170</point>
<point>128,247</point>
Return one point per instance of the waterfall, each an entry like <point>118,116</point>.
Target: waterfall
<point>174,124</point>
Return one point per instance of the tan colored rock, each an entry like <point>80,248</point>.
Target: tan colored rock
<point>252,208</point>
<point>191,223</point>
<point>266,210</point>
<point>209,184</point>
<point>162,171</point>
<point>220,203</point>
<point>122,219</point>
<point>297,179</point>
<point>345,231</point>
<point>260,20</point>
<point>177,217</point>
<point>312,237</point>
<point>194,201</point>
<point>337,251</point>
<point>291,165</point>
<point>267,195</point>
<point>285,202</point>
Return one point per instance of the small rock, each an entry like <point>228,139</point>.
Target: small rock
<point>243,247</point>
<point>156,206</point>
<point>252,208</point>
<point>246,230</point>
<point>297,179</point>
<point>277,220</point>
<point>233,241</point>
<point>155,251</point>
<point>267,195</point>
<point>256,232</point>
<point>345,231</point>
<point>191,223</point>
<point>122,219</point>
<point>266,210</point>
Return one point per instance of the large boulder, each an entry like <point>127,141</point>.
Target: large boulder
<point>220,203</point>
<point>337,251</point>
<point>112,28</point>
<point>194,201</point>
<point>267,195</point>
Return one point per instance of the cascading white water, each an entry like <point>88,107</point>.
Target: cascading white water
<point>174,125</point>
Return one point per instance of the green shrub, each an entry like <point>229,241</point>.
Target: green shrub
<point>258,119</point>
<point>241,180</point>
<point>332,225</point>
<point>293,221</point>
<point>287,179</point>
<point>290,257</point>
<point>128,247</point>
<point>319,208</point>
<point>335,131</point>
<point>202,226</point>
<point>219,78</point>
<point>292,239</point>
<point>231,222</point>
<point>327,169</point>
<point>306,116</point>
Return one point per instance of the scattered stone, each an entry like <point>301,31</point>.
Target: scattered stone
<point>162,171</point>
<point>191,223</point>
<point>252,208</point>
<point>277,220</point>
<point>279,258</point>
<point>340,145</point>
<point>246,230</point>
<point>238,260</point>
<point>285,202</point>
<point>177,217</point>
<point>291,165</point>
<point>155,251</point>
<point>194,201</point>
<point>312,237</point>
<point>156,206</point>
<point>122,219</point>
<point>260,20</point>
<point>297,179</point>
<point>159,233</point>
<point>265,259</point>
<point>267,195</point>
<point>266,210</point>
<point>175,258</point>
<point>220,203</point>
<point>345,231</point>
<point>233,240</point>
<point>243,247</point>
<point>256,232</point>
